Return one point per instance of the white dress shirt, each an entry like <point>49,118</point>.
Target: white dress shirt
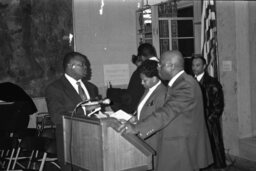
<point>153,58</point>
<point>73,82</point>
<point>175,78</point>
<point>144,100</point>
<point>199,77</point>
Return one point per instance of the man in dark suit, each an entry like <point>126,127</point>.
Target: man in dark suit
<point>65,93</point>
<point>213,106</point>
<point>185,143</point>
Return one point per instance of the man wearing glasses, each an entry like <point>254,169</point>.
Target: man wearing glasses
<point>65,93</point>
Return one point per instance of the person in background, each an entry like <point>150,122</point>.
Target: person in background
<point>128,99</point>
<point>213,108</point>
<point>153,98</point>
<point>16,107</point>
<point>136,60</point>
<point>185,142</point>
<point>65,93</point>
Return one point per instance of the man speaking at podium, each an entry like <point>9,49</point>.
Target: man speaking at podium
<point>63,95</point>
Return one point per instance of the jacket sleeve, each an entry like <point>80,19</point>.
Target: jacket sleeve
<point>180,99</point>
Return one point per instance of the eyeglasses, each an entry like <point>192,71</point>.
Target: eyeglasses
<point>82,65</point>
<point>163,65</point>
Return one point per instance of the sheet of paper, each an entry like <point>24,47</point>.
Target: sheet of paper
<point>121,115</point>
<point>117,74</point>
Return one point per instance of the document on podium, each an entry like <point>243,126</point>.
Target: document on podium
<point>121,115</point>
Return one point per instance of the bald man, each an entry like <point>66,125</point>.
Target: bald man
<point>185,144</point>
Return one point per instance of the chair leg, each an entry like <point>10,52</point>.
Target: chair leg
<point>10,160</point>
<point>30,159</point>
<point>55,164</point>
<point>15,159</point>
<point>43,161</point>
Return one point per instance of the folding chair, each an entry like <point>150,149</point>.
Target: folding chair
<point>37,148</point>
<point>43,120</point>
<point>8,148</point>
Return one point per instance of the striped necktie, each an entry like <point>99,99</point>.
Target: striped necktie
<point>81,91</point>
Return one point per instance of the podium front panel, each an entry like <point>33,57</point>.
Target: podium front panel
<point>84,141</point>
<point>91,145</point>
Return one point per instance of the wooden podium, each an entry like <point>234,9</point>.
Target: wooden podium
<point>96,147</point>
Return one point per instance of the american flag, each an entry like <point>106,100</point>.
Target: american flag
<point>209,36</point>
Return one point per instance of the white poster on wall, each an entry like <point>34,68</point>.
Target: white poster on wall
<point>116,74</point>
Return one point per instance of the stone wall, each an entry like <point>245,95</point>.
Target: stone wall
<point>33,41</point>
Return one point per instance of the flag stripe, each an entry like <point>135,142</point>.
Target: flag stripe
<point>209,36</point>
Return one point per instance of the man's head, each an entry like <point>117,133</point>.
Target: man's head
<point>198,65</point>
<point>171,62</point>
<point>76,65</point>
<point>146,50</point>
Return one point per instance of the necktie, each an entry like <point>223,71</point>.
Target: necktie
<point>81,91</point>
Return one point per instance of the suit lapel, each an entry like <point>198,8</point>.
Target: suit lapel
<point>69,90</point>
<point>150,100</point>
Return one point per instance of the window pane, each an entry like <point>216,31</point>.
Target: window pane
<point>148,41</point>
<point>185,28</point>
<point>167,9</point>
<point>163,29</point>
<point>148,35</point>
<point>186,12</point>
<point>186,46</point>
<point>164,45</point>
<point>175,44</point>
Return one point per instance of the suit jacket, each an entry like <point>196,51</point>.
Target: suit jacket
<point>62,98</point>
<point>213,106</point>
<point>213,96</point>
<point>156,100</point>
<point>185,144</point>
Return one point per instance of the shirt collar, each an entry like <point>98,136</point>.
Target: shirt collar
<point>199,77</point>
<point>153,58</point>
<point>175,78</point>
<point>155,86</point>
<point>71,79</point>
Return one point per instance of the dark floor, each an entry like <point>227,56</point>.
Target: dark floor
<point>234,164</point>
<point>237,164</point>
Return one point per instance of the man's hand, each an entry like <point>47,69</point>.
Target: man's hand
<point>128,128</point>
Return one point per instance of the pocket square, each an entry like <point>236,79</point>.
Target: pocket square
<point>150,103</point>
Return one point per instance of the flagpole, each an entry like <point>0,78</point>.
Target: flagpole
<point>217,48</point>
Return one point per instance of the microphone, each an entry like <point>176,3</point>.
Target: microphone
<point>98,102</point>
<point>81,103</point>
<point>94,111</point>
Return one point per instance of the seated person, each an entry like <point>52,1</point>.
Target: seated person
<point>14,115</point>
